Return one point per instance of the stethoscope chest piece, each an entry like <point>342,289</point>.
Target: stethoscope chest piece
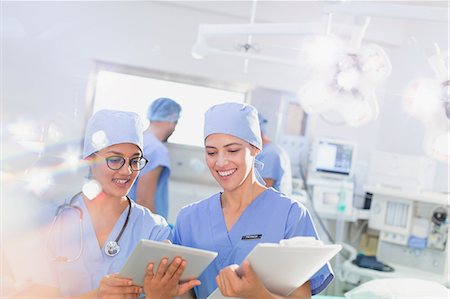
<point>112,248</point>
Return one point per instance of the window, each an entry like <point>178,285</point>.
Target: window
<point>134,92</point>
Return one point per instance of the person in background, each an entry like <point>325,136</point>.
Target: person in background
<point>277,164</point>
<point>95,231</point>
<point>151,187</point>
<point>244,214</point>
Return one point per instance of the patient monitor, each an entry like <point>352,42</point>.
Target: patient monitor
<point>333,157</point>
<point>331,176</point>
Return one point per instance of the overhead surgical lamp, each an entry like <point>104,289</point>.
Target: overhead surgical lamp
<point>343,75</point>
<point>428,99</point>
<point>345,79</point>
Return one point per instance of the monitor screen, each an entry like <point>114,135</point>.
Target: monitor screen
<point>334,156</point>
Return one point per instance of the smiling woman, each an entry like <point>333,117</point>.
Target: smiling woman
<point>91,236</point>
<point>246,213</point>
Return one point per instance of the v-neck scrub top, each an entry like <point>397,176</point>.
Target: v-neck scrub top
<point>83,275</point>
<point>269,218</point>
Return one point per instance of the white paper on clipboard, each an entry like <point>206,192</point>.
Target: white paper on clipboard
<point>284,267</point>
<point>147,250</point>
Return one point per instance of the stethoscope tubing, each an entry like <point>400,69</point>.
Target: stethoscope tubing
<point>71,205</point>
<point>59,210</point>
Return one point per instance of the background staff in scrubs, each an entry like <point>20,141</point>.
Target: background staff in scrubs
<point>232,222</point>
<point>277,171</point>
<point>151,187</point>
<point>111,223</point>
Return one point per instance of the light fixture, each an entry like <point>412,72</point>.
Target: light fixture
<point>343,75</point>
<point>428,99</point>
<point>202,47</point>
<point>346,78</point>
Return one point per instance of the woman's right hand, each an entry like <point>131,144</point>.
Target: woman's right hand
<point>115,287</point>
<point>165,283</point>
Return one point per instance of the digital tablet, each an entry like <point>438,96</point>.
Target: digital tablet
<point>152,251</point>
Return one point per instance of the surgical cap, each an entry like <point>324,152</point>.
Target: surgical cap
<point>262,123</point>
<point>239,120</point>
<point>164,109</point>
<point>109,127</point>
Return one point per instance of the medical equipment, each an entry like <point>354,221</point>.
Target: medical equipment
<point>413,235</point>
<point>112,248</point>
<point>332,196</point>
<point>346,83</point>
<point>333,157</point>
<point>403,172</point>
<point>330,176</point>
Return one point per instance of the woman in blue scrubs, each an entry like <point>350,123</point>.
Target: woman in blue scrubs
<point>85,265</point>
<point>246,213</point>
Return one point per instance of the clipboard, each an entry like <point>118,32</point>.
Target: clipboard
<point>283,268</point>
<point>148,250</point>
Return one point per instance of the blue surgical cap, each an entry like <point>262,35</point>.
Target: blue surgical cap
<point>239,120</point>
<point>262,123</point>
<point>109,127</point>
<point>164,109</point>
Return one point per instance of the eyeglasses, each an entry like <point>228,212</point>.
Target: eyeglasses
<point>117,162</point>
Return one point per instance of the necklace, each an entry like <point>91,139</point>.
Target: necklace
<point>112,248</point>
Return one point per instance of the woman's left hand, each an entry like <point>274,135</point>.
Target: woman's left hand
<point>243,283</point>
<point>165,283</point>
<point>113,286</point>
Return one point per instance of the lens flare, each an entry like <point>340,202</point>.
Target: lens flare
<point>91,189</point>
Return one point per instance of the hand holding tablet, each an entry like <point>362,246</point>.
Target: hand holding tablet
<point>151,251</point>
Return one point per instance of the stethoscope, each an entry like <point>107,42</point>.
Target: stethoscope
<point>112,248</point>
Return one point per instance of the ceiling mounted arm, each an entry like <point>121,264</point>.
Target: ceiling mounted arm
<point>358,33</point>
<point>201,46</point>
<point>209,30</point>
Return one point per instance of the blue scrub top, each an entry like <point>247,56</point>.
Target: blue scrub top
<point>84,274</point>
<point>277,166</point>
<point>271,215</point>
<point>157,154</point>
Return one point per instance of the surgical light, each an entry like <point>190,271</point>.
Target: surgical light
<point>342,75</point>
<point>348,86</point>
<point>348,74</point>
<point>320,51</point>
<point>427,99</point>
<point>347,80</point>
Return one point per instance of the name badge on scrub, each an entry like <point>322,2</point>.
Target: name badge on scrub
<point>252,237</point>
